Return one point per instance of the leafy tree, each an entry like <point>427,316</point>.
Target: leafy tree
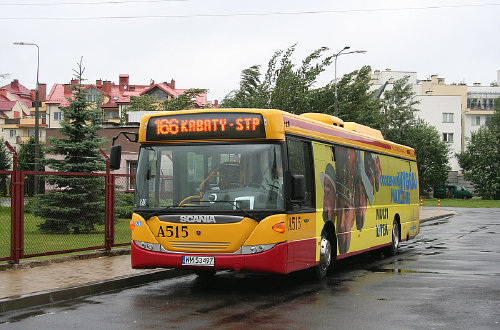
<point>400,125</point>
<point>144,102</point>
<point>293,89</point>
<point>77,202</point>
<point>251,93</point>
<point>398,109</point>
<point>283,86</point>
<point>356,102</point>
<point>26,162</point>
<point>481,159</point>
<point>4,166</point>
<point>184,101</point>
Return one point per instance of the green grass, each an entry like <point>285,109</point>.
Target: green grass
<point>38,242</point>
<point>470,203</point>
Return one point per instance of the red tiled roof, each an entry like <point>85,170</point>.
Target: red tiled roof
<point>7,105</point>
<point>57,96</point>
<point>164,87</point>
<point>20,92</point>
<point>117,94</point>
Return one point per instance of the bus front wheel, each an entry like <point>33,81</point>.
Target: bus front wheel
<point>325,255</point>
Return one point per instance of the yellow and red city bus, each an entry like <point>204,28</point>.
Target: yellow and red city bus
<point>267,191</point>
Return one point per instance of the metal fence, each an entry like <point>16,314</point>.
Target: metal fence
<point>45,213</point>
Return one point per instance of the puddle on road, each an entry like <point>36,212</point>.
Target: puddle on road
<point>397,271</point>
<point>23,316</point>
<point>437,247</point>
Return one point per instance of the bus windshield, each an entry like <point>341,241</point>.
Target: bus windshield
<point>216,176</point>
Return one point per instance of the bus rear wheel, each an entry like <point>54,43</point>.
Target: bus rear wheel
<point>392,249</point>
<point>326,260</point>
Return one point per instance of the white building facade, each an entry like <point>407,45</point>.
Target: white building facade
<point>455,110</point>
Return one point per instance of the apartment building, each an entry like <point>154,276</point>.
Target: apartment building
<point>454,109</point>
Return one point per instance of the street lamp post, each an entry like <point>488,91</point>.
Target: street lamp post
<point>37,125</point>
<point>336,101</point>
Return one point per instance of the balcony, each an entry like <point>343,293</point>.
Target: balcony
<point>31,122</point>
<point>25,121</point>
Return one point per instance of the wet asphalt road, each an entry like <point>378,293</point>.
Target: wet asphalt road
<point>447,278</point>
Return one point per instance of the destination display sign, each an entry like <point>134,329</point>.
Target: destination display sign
<point>206,125</point>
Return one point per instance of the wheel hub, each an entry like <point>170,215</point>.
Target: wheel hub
<point>325,254</point>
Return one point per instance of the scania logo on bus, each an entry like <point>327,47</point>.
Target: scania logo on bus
<point>198,218</point>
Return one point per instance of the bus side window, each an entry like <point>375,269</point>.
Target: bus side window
<point>300,162</point>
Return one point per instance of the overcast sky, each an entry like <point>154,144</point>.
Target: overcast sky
<point>207,43</point>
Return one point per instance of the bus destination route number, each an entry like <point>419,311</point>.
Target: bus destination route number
<point>214,125</point>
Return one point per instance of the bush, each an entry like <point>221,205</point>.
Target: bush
<point>124,205</point>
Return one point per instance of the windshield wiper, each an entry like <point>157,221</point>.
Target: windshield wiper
<point>232,203</point>
<point>235,205</point>
<point>152,214</point>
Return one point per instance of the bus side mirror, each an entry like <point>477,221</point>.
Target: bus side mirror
<point>115,157</point>
<point>298,187</point>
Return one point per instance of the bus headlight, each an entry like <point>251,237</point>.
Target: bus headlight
<point>252,249</point>
<point>149,246</point>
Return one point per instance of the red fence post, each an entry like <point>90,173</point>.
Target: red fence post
<point>16,210</point>
<point>109,206</point>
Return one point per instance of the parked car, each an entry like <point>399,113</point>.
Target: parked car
<point>452,191</point>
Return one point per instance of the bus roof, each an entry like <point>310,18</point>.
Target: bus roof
<point>276,124</point>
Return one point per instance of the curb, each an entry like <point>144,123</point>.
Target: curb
<point>51,297</point>
<point>440,216</point>
<point>45,262</point>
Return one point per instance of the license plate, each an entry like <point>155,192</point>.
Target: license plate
<point>197,261</point>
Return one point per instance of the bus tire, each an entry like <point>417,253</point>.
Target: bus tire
<point>326,259</point>
<point>205,273</point>
<point>392,249</point>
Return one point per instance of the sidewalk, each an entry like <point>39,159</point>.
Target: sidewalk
<point>34,283</point>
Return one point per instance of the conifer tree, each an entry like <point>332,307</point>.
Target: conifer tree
<point>26,162</point>
<point>77,202</point>
<point>4,166</point>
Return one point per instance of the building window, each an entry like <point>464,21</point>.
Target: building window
<point>472,103</point>
<point>132,169</point>
<point>476,121</point>
<point>488,119</point>
<point>12,133</point>
<point>113,115</point>
<point>490,104</point>
<point>159,94</point>
<point>57,116</point>
<point>447,117</point>
<point>448,137</point>
<point>93,95</point>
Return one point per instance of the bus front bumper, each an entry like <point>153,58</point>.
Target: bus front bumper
<point>272,261</point>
